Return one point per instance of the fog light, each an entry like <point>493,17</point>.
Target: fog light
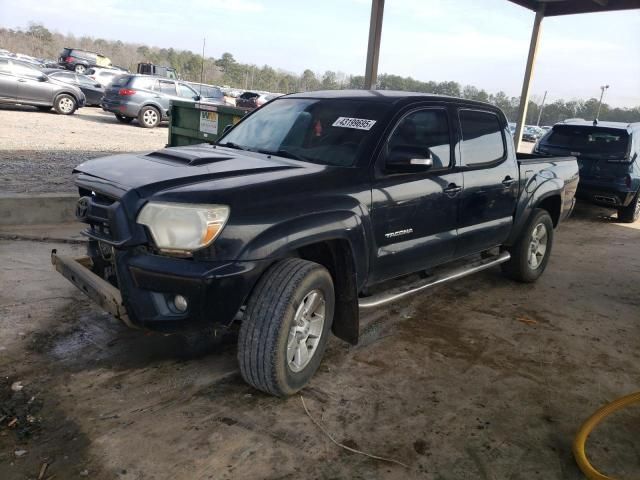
<point>180,303</point>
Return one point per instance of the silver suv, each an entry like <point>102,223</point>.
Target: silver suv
<point>144,97</point>
<point>23,84</point>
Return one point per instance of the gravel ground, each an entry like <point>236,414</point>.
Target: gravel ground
<point>481,379</point>
<point>39,150</point>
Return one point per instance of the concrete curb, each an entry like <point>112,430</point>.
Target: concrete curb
<point>37,208</point>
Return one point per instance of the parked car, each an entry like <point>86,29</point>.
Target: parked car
<point>531,133</point>
<point>104,76</point>
<point>209,93</point>
<point>607,154</point>
<point>157,71</point>
<point>145,98</point>
<point>81,60</point>
<point>92,90</point>
<point>302,210</point>
<point>21,83</point>
<point>254,100</point>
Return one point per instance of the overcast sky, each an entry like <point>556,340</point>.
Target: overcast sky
<point>482,43</point>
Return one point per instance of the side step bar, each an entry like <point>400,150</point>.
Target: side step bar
<point>444,277</point>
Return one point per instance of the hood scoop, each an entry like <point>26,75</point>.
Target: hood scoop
<point>187,158</point>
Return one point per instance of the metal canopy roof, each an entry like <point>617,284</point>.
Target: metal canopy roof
<point>569,7</point>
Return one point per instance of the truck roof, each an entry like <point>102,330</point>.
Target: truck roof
<point>384,96</point>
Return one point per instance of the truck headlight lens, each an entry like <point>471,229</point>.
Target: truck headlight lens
<point>180,227</point>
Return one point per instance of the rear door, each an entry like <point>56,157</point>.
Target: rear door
<point>168,92</point>
<point>414,214</point>
<point>8,82</point>
<point>491,177</point>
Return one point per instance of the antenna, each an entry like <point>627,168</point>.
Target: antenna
<point>204,41</point>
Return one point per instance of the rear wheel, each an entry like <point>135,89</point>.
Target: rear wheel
<point>286,326</point>
<point>631,212</point>
<point>123,119</point>
<point>149,117</point>
<point>65,104</point>
<point>530,254</point>
<point>80,69</point>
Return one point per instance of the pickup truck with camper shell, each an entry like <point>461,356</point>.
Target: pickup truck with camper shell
<point>310,209</point>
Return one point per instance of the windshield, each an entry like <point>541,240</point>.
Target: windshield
<point>329,132</point>
<point>589,140</point>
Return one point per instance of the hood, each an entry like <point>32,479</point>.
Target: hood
<point>175,167</point>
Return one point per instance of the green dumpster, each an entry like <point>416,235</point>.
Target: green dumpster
<point>200,122</point>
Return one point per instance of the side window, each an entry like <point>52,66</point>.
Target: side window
<point>167,88</point>
<point>482,138</point>
<point>185,92</point>
<point>24,71</point>
<point>421,132</point>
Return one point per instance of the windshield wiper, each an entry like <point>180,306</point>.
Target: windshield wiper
<point>283,153</point>
<point>232,145</point>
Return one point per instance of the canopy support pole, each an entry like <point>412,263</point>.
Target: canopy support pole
<point>373,51</point>
<point>528,73</point>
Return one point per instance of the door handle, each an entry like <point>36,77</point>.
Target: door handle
<point>452,190</point>
<point>508,181</point>
<point>21,80</point>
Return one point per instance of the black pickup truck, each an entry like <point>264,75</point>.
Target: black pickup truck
<point>293,220</point>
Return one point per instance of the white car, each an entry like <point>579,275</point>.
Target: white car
<point>104,76</point>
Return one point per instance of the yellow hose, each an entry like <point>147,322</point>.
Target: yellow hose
<point>581,437</point>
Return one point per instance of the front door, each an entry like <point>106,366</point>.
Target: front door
<point>31,87</point>
<point>8,81</point>
<point>414,214</point>
<point>491,175</point>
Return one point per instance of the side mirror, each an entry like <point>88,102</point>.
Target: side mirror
<point>227,128</point>
<point>197,98</point>
<point>407,160</point>
<point>43,78</point>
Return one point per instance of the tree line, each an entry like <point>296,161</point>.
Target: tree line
<point>38,41</point>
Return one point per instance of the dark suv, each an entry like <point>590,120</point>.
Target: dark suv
<point>81,60</point>
<point>146,98</point>
<point>607,154</point>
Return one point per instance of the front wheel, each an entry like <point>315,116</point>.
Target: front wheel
<point>631,212</point>
<point>530,254</point>
<point>286,326</point>
<point>65,104</point>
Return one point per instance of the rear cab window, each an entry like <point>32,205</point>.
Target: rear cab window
<point>483,142</point>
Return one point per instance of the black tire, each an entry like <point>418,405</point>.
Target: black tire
<point>268,321</point>
<point>149,117</point>
<point>43,108</point>
<point>80,69</point>
<point>65,104</point>
<point>631,212</point>
<point>123,119</point>
<point>522,267</point>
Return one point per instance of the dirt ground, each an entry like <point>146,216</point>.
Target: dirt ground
<point>38,150</point>
<point>480,379</point>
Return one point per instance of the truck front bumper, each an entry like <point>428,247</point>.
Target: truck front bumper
<point>149,284</point>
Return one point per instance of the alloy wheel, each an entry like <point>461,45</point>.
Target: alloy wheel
<point>537,246</point>
<point>305,333</point>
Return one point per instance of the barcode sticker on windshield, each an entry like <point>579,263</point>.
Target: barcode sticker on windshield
<point>359,123</point>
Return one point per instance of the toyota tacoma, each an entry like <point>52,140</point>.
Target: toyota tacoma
<point>292,222</point>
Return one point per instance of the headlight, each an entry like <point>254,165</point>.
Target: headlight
<point>180,227</point>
